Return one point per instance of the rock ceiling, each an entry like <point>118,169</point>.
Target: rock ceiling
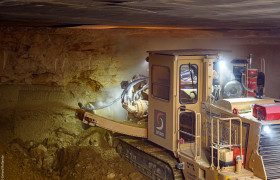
<point>199,14</point>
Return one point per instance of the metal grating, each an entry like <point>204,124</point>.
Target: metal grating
<point>269,149</point>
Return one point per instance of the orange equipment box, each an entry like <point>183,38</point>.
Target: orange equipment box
<point>236,153</point>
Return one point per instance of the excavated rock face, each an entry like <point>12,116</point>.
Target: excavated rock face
<point>38,57</point>
<point>50,72</point>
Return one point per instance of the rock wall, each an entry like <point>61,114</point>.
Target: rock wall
<point>102,58</point>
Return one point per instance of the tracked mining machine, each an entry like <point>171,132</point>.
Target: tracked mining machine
<point>200,125</point>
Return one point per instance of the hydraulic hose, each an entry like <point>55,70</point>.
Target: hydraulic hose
<point>242,82</point>
<point>142,89</point>
<point>100,107</point>
<point>130,85</point>
<point>128,89</point>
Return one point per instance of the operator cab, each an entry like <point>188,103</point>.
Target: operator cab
<point>179,81</point>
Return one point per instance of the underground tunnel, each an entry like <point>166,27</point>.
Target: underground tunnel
<point>47,68</point>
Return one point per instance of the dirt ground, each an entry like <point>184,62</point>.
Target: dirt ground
<point>62,150</point>
<point>75,162</point>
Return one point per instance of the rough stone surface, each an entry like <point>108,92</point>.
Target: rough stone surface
<point>230,14</point>
<point>111,175</point>
<point>38,152</point>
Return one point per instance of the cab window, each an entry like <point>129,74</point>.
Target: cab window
<point>188,83</point>
<point>160,82</point>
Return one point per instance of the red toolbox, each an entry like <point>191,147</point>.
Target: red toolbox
<point>236,153</point>
<point>269,111</point>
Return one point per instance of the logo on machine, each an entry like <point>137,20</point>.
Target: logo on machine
<point>160,123</point>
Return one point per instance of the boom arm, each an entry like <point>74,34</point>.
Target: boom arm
<point>95,120</point>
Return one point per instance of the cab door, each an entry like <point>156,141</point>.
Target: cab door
<point>161,119</point>
<point>188,101</point>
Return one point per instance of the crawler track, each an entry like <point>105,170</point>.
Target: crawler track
<point>148,158</point>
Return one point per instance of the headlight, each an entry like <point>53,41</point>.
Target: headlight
<point>266,129</point>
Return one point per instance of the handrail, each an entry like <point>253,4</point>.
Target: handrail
<point>218,138</point>
<point>198,135</point>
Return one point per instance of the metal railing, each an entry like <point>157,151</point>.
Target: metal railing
<point>218,138</point>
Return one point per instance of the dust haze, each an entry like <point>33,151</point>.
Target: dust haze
<point>115,111</point>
